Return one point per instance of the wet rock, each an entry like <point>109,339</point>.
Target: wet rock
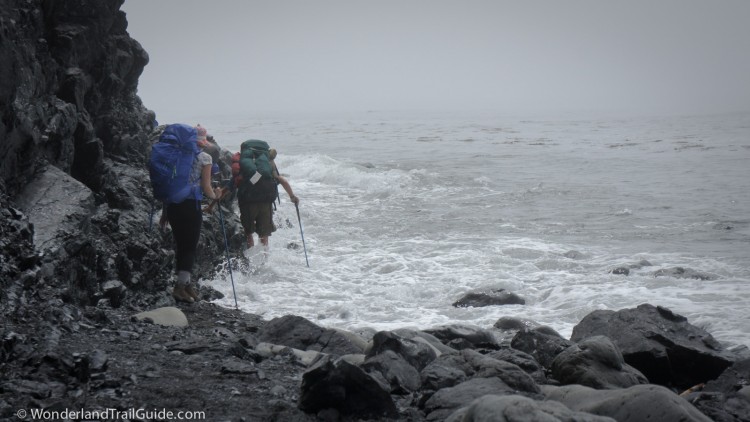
<point>400,375</point>
<point>514,408</point>
<point>336,384</point>
<point>484,366</point>
<point>523,360</point>
<point>574,255</point>
<point>447,400</point>
<point>659,343</point>
<point>726,398</point>
<point>57,205</point>
<point>474,337</point>
<point>445,371</point>
<point>634,404</point>
<point>514,324</point>
<point>492,297</point>
<point>422,337</point>
<point>680,272</point>
<point>300,333</point>
<point>417,353</point>
<point>544,347</point>
<point>621,271</point>
<point>597,363</point>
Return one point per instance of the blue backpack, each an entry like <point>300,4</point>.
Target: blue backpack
<point>171,164</point>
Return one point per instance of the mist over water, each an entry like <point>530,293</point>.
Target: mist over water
<point>403,214</point>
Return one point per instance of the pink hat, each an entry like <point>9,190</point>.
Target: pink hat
<point>202,133</point>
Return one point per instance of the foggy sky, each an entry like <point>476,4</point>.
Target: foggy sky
<point>237,56</point>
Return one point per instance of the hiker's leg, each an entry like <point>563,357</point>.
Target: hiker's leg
<point>247,218</point>
<point>265,223</point>
<point>185,219</point>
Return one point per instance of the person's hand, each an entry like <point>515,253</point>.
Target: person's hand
<point>294,199</point>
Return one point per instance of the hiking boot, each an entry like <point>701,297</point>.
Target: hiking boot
<point>192,293</point>
<point>180,294</point>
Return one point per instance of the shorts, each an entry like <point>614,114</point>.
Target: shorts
<point>257,217</point>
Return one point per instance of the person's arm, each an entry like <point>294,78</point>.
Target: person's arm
<point>287,187</point>
<point>208,191</point>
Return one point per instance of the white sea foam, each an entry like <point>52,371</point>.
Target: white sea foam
<point>397,228</point>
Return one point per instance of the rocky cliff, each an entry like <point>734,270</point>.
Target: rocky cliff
<point>75,136</point>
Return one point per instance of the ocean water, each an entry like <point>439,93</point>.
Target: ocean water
<point>402,214</point>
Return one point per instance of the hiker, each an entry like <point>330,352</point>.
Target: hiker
<point>258,191</point>
<point>184,215</point>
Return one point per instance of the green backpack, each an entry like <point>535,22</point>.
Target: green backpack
<point>258,183</point>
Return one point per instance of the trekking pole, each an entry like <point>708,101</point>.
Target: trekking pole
<point>302,234</point>
<point>226,248</point>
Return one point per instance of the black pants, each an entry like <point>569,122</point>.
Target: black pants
<point>185,219</point>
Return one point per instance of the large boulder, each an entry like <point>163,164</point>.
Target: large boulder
<point>417,353</point>
<point>465,336</point>
<point>445,371</point>
<point>514,408</point>
<point>544,346</point>
<point>447,400</point>
<point>661,344</point>
<point>484,366</point>
<point>634,404</point>
<point>492,297</point>
<point>451,370</point>
<point>334,383</point>
<point>595,362</point>
<point>300,333</point>
<point>523,360</point>
<point>395,370</point>
<point>727,398</point>
<point>424,337</point>
<point>58,205</point>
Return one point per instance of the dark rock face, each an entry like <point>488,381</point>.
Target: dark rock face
<point>489,298</point>
<point>69,78</point>
<point>727,398</point>
<point>335,383</point>
<point>662,345</point>
<point>75,139</point>
<point>595,362</point>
